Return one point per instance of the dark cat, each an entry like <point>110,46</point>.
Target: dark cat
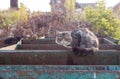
<point>12,40</point>
<point>82,41</point>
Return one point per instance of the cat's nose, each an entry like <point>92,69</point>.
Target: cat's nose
<point>63,35</point>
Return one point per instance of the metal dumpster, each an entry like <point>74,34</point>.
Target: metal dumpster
<point>44,59</point>
<point>59,72</point>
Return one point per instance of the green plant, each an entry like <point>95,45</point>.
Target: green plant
<point>103,20</point>
<point>8,18</point>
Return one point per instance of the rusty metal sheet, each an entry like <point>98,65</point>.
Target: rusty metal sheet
<point>107,41</point>
<point>60,57</point>
<point>40,47</point>
<point>47,57</point>
<point>107,47</point>
<point>60,67</point>
<point>97,59</point>
<point>3,45</point>
<point>58,47</point>
<point>58,75</point>
<point>118,47</point>
<point>39,41</point>
<point>45,41</point>
<point>50,41</point>
<point>54,72</point>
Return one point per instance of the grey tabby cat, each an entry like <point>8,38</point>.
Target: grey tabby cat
<point>64,38</point>
<point>82,41</point>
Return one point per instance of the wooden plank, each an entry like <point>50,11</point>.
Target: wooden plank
<point>57,57</point>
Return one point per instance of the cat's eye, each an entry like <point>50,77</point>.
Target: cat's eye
<point>59,39</point>
<point>69,40</point>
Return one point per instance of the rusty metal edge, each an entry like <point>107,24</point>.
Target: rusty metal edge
<point>61,67</point>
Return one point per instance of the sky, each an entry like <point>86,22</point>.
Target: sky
<point>43,5</point>
<point>109,3</point>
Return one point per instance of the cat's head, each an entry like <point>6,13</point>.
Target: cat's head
<point>64,38</point>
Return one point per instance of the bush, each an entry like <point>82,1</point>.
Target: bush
<point>103,20</point>
<point>11,16</point>
<point>8,18</point>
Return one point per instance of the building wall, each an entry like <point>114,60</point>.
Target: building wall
<point>57,5</point>
<point>116,8</point>
<point>83,5</point>
<point>14,4</point>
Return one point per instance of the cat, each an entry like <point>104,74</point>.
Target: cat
<point>64,38</point>
<point>12,40</point>
<point>82,41</point>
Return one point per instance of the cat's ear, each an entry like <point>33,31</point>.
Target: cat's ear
<point>58,32</point>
